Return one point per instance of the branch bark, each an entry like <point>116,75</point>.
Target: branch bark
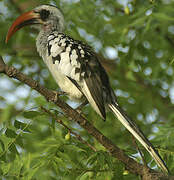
<point>145,172</point>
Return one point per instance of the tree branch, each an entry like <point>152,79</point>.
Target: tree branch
<point>131,165</point>
<point>70,131</point>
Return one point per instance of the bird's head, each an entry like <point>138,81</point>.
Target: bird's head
<point>46,17</point>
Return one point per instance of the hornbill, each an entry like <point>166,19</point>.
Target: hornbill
<point>76,68</point>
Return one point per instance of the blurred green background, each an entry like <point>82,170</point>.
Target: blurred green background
<point>135,40</point>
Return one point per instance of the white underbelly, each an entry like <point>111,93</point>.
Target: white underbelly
<point>64,83</point>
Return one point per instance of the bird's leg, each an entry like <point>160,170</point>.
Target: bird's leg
<point>57,93</point>
<point>79,108</point>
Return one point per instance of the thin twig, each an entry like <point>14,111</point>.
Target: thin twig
<point>65,126</point>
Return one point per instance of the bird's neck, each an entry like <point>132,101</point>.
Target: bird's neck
<point>45,31</point>
<point>54,25</point>
<point>41,42</point>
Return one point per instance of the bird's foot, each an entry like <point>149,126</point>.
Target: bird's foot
<point>79,108</point>
<point>57,94</point>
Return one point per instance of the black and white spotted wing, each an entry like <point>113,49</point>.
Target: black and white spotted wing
<point>79,63</point>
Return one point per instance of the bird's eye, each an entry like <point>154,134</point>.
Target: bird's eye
<point>44,14</point>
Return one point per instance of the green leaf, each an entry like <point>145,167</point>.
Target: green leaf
<point>5,167</point>
<point>92,159</point>
<point>13,149</point>
<point>109,161</point>
<point>138,21</point>
<point>3,157</point>
<point>31,114</point>
<point>6,113</point>
<point>10,133</point>
<point>163,16</point>
<point>19,125</point>
<point>2,145</point>
<point>130,76</point>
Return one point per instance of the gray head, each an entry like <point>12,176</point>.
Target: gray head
<point>50,17</point>
<point>44,17</point>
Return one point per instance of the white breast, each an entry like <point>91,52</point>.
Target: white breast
<point>64,83</point>
<point>54,45</point>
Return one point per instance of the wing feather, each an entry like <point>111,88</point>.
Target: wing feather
<point>92,90</point>
<point>78,62</point>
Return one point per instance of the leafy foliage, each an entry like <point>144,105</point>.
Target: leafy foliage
<point>135,41</point>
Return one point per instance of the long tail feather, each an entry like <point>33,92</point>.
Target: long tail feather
<point>138,134</point>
